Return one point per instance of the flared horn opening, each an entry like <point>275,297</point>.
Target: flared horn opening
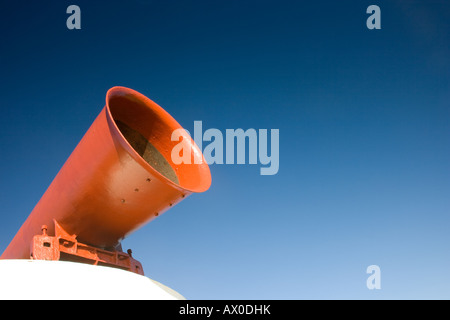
<point>148,131</point>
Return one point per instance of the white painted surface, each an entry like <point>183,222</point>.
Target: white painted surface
<point>61,280</point>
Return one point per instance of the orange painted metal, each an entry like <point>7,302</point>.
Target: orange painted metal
<point>108,188</point>
<point>64,246</point>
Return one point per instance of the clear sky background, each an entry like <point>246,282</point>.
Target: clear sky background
<point>364,120</point>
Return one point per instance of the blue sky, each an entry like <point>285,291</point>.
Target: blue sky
<point>363,116</point>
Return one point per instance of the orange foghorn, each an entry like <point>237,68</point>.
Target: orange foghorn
<point>118,178</point>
